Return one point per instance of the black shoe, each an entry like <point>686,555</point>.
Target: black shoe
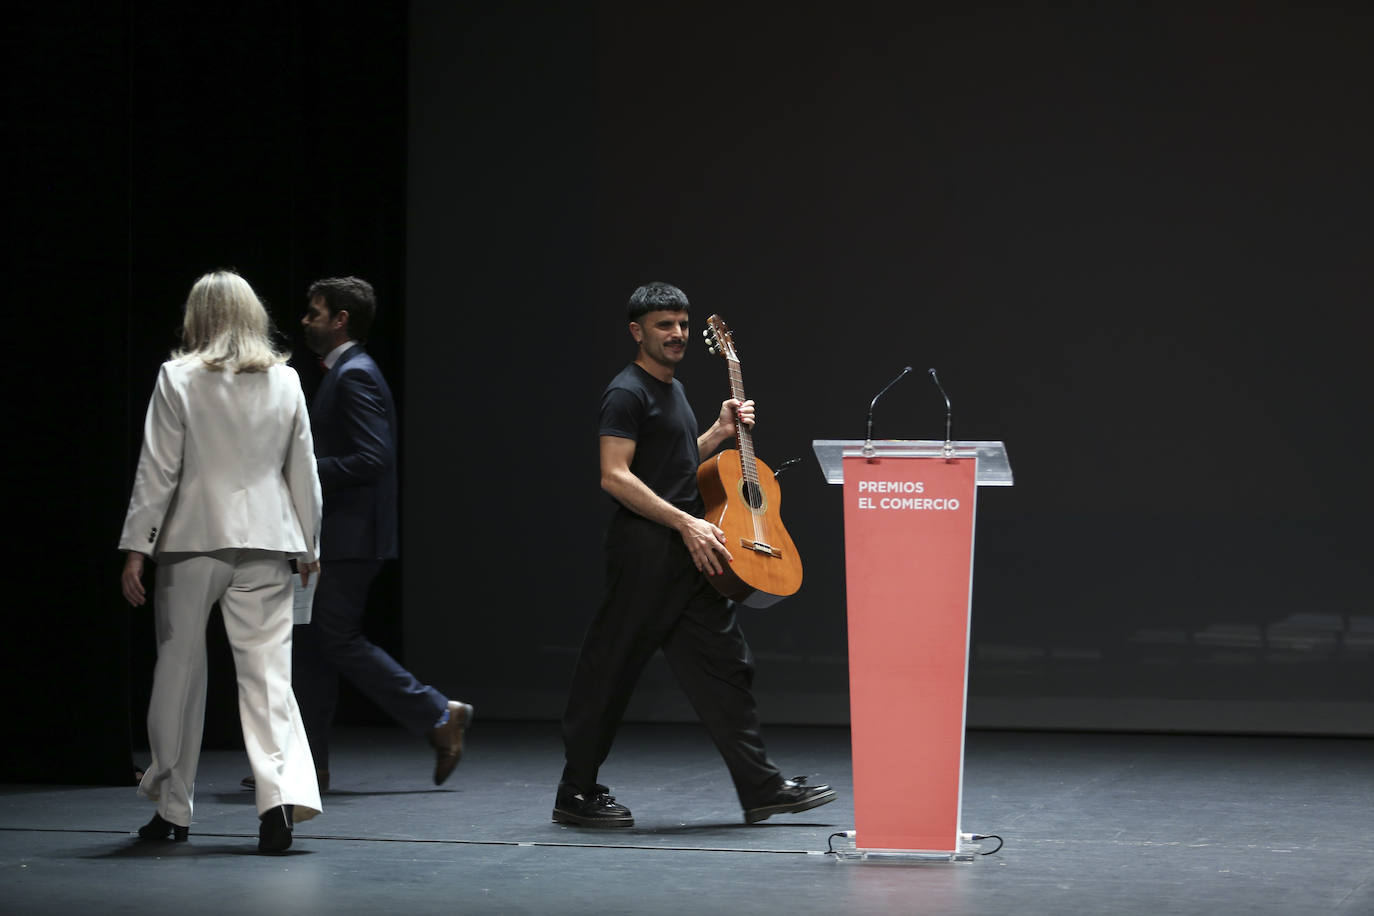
<point>792,796</point>
<point>597,808</point>
<point>159,830</point>
<point>274,829</point>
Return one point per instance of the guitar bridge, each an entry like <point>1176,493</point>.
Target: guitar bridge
<point>760,547</point>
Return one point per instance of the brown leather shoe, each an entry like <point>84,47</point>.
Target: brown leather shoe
<point>447,740</point>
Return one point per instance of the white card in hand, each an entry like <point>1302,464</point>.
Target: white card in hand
<point>304,598</point>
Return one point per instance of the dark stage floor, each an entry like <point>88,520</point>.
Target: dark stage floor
<point>1092,824</point>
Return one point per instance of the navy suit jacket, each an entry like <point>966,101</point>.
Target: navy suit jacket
<point>353,420</point>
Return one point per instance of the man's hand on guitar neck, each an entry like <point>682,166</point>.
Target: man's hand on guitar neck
<point>733,407</point>
<point>724,427</point>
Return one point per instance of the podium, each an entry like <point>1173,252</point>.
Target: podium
<point>909,508</point>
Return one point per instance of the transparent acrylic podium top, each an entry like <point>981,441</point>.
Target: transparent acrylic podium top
<point>994,470</point>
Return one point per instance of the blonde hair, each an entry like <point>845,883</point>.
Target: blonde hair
<point>226,326</point>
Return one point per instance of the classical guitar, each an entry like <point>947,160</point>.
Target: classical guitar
<point>742,500</point>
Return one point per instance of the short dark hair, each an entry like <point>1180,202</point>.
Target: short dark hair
<point>348,294</point>
<point>652,297</point>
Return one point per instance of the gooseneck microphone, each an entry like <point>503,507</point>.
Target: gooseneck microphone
<point>869,451</point>
<point>949,415</point>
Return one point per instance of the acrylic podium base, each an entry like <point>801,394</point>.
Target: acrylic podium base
<point>846,851</point>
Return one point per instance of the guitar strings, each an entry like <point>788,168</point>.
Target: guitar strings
<point>748,461</point>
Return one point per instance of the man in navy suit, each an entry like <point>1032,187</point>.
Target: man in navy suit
<point>353,421</point>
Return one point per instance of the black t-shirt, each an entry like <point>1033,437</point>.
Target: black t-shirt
<point>656,415</point>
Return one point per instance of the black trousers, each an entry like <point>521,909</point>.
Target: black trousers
<point>657,599</point>
<point>333,645</point>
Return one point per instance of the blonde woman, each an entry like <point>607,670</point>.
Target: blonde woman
<point>226,493</point>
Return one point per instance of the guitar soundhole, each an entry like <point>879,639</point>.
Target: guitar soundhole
<point>752,494</point>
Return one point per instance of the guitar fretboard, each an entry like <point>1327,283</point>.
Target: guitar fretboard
<point>748,462</point>
<point>749,465</point>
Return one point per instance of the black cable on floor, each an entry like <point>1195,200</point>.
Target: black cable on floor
<point>978,837</point>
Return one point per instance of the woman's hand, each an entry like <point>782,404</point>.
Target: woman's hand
<point>131,580</point>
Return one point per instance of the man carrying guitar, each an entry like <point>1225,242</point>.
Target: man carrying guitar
<point>659,553</point>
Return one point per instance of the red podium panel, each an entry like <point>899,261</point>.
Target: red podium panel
<point>909,525</point>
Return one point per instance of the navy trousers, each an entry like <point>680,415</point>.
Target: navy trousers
<point>332,645</point>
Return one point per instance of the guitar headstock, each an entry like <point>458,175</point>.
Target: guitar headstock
<point>719,340</point>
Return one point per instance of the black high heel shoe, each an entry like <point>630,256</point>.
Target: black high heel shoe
<point>274,829</point>
<point>159,830</point>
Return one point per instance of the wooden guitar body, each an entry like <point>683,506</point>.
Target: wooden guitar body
<point>766,567</point>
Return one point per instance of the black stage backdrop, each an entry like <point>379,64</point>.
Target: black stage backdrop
<point>1133,243</point>
<point>153,142</point>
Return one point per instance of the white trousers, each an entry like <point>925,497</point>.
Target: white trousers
<point>253,588</point>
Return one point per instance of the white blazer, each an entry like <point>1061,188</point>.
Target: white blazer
<point>227,461</point>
